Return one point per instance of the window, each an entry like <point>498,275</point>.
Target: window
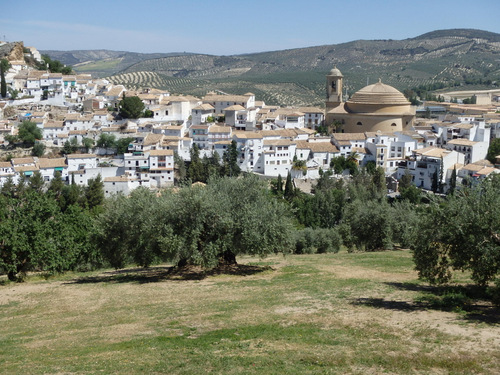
<point>393,124</point>
<point>359,123</point>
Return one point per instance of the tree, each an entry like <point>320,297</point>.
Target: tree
<point>131,107</point>
<point>94,193</point>
<point>461,234</point>
<point>435,182</point>
<point>378,180</point>
<point>367,225</point>
<point>289,190</point>
<point>88,143</point>
<point>29,133</point>
<point>106,141</point>
<point>54,66</point>
<point>195,169</point>
<point>122,145</point>
<point>453,181</point>
<point>230,161</point>
<point>279,185</point>
<point>4,66</point>
<point>204,225</point>
<point>493,150</point>
<point>38,149</point>
<point>180,168</point>
<point>406,180</point>
<point>71,146</point>
<point>227,217</point>
<point>36,235</point>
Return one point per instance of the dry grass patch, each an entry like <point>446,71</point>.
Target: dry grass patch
<point>332,313</point>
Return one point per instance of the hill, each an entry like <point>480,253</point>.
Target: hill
<point>444,58</point>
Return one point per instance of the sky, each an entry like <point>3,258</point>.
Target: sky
<point>231,27</point>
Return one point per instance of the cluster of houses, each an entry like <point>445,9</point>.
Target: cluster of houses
<point>270,139</point>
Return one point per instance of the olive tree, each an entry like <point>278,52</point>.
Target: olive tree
<point>462,233</point>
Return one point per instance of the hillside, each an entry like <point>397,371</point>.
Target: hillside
<point>451,58</point>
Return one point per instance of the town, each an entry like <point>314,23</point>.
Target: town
<point>81,123</point>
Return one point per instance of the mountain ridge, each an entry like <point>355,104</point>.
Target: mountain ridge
<point>448,58</point>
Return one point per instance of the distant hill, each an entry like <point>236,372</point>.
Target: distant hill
<point>444,58</point>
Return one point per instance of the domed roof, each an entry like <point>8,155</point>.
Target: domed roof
<point>379,93</point>
<point>335,72</point>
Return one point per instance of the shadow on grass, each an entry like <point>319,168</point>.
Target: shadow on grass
<point>472,302</point>
<point>158,274</point>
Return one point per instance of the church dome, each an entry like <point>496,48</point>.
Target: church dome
<point>335,72</point>
<point>379,93</point>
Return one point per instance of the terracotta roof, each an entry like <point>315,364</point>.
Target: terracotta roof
<point>432,151</point>
<point>161,152</point>
<point>278,142</point>
<point>204,107</point>
<point>54,124</point>
<point>349,136</point>
<point>247,135</point>
<point>152,139</point>
<point>51,163</point>
<point>80,156</point>
<point>219,129</point>
<point>226,98</point>
<point>26,168</point>
<point>462,142</point>
<point>235,107</point>
<point>28,160</point>
<point>317,146</point>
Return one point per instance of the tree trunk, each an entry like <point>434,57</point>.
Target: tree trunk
<point>227,258</point>
<point>12,275</point>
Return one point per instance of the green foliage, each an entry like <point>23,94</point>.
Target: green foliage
<point>122,145</point>
<point>230,161</point>
<point>340,164</point>
<point>131,229</point>
<point>367,225</point>
<point>412,194</point>
<point>88,143</point>
<point>405,181</point>
<point>36,235</point>
<point>29,133</point>
<point>205,225</point>
<point>289,192</point>
<point>71,146</point>
<point>54,66</point>
<point>4,66</point>
<point>94,192</point>
<point>131,107</point>
<point>493,150</point>
<point>180,166</point>
<point>38,149</point>
<point>312,241</point>
<point>461,234</point>
<point>106,141</point>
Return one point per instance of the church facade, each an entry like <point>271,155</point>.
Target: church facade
<point>377,107</point>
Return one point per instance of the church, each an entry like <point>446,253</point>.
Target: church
<point>377,107</point>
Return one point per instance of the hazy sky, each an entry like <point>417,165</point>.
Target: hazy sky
<point>231,27</point>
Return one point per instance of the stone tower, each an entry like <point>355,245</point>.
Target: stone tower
<point>334,88</point>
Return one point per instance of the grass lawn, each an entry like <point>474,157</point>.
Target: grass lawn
<point>360,313</point>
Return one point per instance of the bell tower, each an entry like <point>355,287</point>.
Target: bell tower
<point>334,88</point>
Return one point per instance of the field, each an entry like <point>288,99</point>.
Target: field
<point>359,313</point>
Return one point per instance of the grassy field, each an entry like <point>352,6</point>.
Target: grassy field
<point>360,313</point>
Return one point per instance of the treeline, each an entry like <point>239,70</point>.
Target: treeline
<point>57,227</point>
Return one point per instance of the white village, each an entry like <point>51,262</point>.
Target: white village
<point>376,125</point>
